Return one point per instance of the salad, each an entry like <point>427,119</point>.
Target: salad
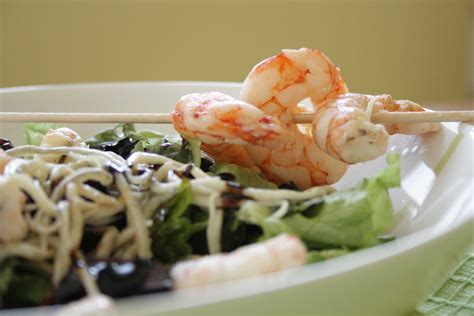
<point>128,212</point>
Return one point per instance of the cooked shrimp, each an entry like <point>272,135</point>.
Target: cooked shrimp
<point>276,85</point>
<point>4,160</point>
<point>341,126</point>
<point>62,137</point>
<point>387,103</point>
<point>279,253</point>
<point>224,124</point>
<point>13,225</point>
<point>343,130</point>
<point>216,118</point>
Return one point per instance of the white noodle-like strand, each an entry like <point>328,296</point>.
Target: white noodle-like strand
<point>282,210</point>
<point>214,225</point>
<point>136,218</point>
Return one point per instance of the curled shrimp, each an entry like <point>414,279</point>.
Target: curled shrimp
<point>276,85</point>
<point>225,124</point>
<point>385,103</point>
<point>341,128</point>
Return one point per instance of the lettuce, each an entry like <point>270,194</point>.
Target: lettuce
<point>254,213</point>
<point>352,218</point>
<point>347,219</point>
<point>174,224</point>
<point>321,255</point>
<point>245,176</point>
<point>23,283</point>
<point>124,139</point>
<point>112,135</point>
<point>34,132</point>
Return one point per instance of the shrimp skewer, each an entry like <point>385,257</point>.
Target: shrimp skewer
<point>279,253</point>
<point>341,132</point>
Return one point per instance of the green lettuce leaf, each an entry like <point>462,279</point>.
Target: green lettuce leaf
<point>352,218</point>
<point>194,146</point>
<point>124,139</point>
<point>321,255</point>
<point>245,176</point>
<point>348,219</point>
<point>254,213</point>
<point>22,283</point>
<point>112,135</point>
<point>170,234</point>
<point>6,273</point>
<point>34,132</point>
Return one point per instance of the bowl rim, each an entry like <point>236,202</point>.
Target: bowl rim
<point>111,84</point>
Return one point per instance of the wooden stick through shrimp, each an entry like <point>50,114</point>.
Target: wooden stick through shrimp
<point>165,118</point>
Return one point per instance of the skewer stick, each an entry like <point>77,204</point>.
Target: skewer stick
<point>165,118</point>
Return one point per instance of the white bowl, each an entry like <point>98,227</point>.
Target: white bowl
<point>434,216</point>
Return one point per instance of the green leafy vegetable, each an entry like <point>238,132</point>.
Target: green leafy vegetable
<point>112,135</point>
<point>346,219</point>
<point>194,146</point>
<point>182,200</point>
<point>34,132</point>
<point>170,235</point>
<point>23,283</point>
<point>245,176</point>
<point>352,218</point>
<point>6,272</point>
<point>321,255</point>
<point>123,139</point>
<point>254,213</point>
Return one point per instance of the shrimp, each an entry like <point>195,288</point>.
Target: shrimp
<point>276,85</point>
<point>341,126</point>
<point>276,254</point>
<point>13,225</point>
<point>62,137</point>
<point>225,124</point>
<point>385,103</point>
<point>343,130</point>
<point>4,160</point>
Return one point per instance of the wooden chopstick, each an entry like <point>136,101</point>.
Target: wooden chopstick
<point>165,118</point>
<point>32,117</point>
<point>408,117</point>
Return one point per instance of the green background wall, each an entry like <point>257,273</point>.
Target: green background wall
<point>412,49</point>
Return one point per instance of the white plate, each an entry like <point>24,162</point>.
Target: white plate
<point>434,214</point>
